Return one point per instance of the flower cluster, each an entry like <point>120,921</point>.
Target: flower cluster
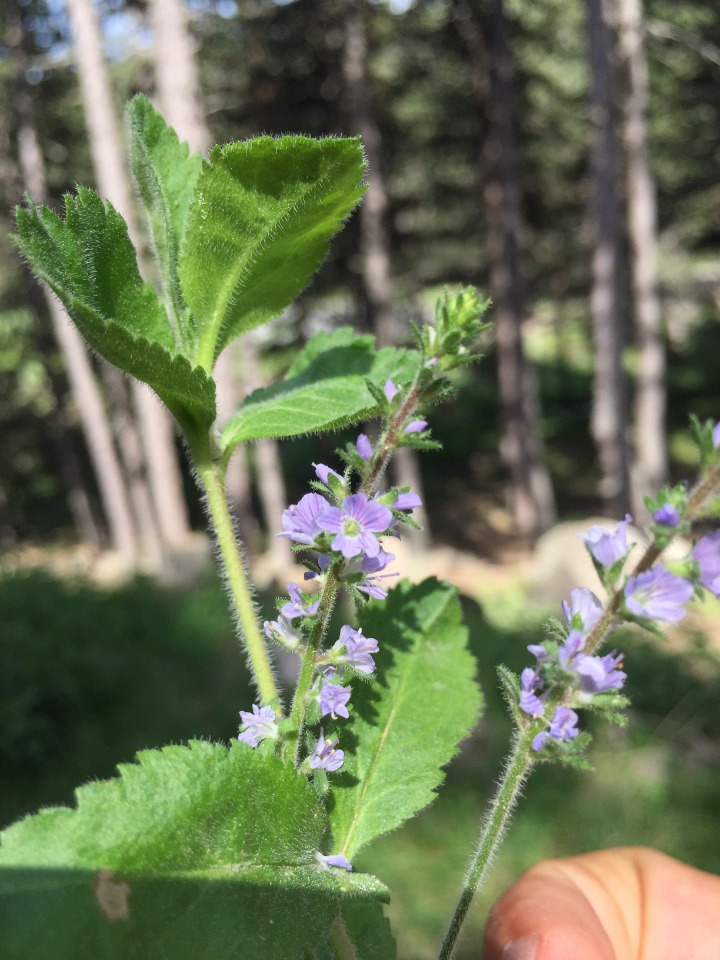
<point>342,529</point>
<point>568,673</point>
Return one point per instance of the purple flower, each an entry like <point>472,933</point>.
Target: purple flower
<point>300,520</point>
<point>355,524</point>
<point>539,652</point>
<point>599,674</point>
<point>357,650</point>
<point>415,426</point>
<point>658,594</point>
<point>529,701</point>
<point>605,546</point>
<point>562,727</point>
<point>407,501</point>
<point>260,725</point>
<point>325,756</point>
<point>390,390</point>
<point>370,566</point>
<point>298,606</point>
<point>282,631</point>
<point>706,554</point>
<point>323,473</point>
<point>585,606</point>
<point>333,860</point>
<point>570,649</point>
<point>667,515</point>
<point>716,436</point>
<point>363,447</point>
<point>333,698</point>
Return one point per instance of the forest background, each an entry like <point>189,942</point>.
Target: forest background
<point>563,156</point>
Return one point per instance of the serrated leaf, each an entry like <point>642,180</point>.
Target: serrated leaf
<point>326,388</point>
<point>193,852</point>
<point>89,262</point>
<point>407,723</point>
<point>166,174</point>
<point>258,227</point>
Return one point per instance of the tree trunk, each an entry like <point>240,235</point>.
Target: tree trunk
<point>90,405</point>
<point>610,393</point>
<point>113,181</point>
<point>522,449</point>
<point>650,467</point>
<point>375,279</point>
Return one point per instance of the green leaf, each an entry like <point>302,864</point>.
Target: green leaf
<point>89,262</point>
<point>407,723</point>
<point>193,852</point>
<point>258,227</point>
<point>326,388</point>
<point>166,174</point>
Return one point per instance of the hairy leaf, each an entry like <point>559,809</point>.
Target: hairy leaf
<point>166,174</point>
<point>193,852</point>
<point>258,227</point>
<point>89,262</point>
<point>326,388</point>
<point>407,723</point>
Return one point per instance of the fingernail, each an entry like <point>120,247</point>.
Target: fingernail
<point>525,948</point>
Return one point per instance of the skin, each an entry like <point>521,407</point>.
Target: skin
<point>626,904</point>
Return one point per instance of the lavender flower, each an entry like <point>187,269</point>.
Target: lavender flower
<point>706,554</point>
<point>355,524</point>
<point>407,501</point>
<point>562,727</point>
<point>325,756</point>
<point>390,390</point>
<point>539,652</point>
<point>658,594</point>
<point>298,607</point>
<point>371,566</point>
<point>333,860</point>
<point>584,606</point>
<point>599,674</point>
<point>415,426</point>
<point>283,632</point>
<point>260,725</point>
<point>333,698</point>
<point>300,520</point>
<point>570,649</point>
<point>716,436</point>
<point>605,546</point>
<point>529,701</point>
<point>666,515</point>
<point>363,447</point>
<point>323,473</point>
<point>357,650</point>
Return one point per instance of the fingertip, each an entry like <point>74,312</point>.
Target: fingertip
<point>544,916</point>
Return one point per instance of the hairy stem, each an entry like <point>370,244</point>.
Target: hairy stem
<point>237,580</point>
<point>293,739</point>
<point>493,830</point>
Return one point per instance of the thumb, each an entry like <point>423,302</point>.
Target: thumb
<point>625,904</point>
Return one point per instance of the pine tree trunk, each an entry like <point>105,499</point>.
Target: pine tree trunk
<point>91,408</point>
<point>522,449</point>
<point>375,278</point>
<point>650,467</point>
<point>608,306</point>
<point>113,182</point>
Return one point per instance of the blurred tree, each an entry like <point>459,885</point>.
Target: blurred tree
<point>608,301</point>
<point>650,461</point>
<point>531,491</point>
<point>88,397</point>
<point>168,510</point>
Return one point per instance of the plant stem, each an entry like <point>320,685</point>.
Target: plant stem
<point>299,707</point>
<point>237,580</point>
<point>495,823</point>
